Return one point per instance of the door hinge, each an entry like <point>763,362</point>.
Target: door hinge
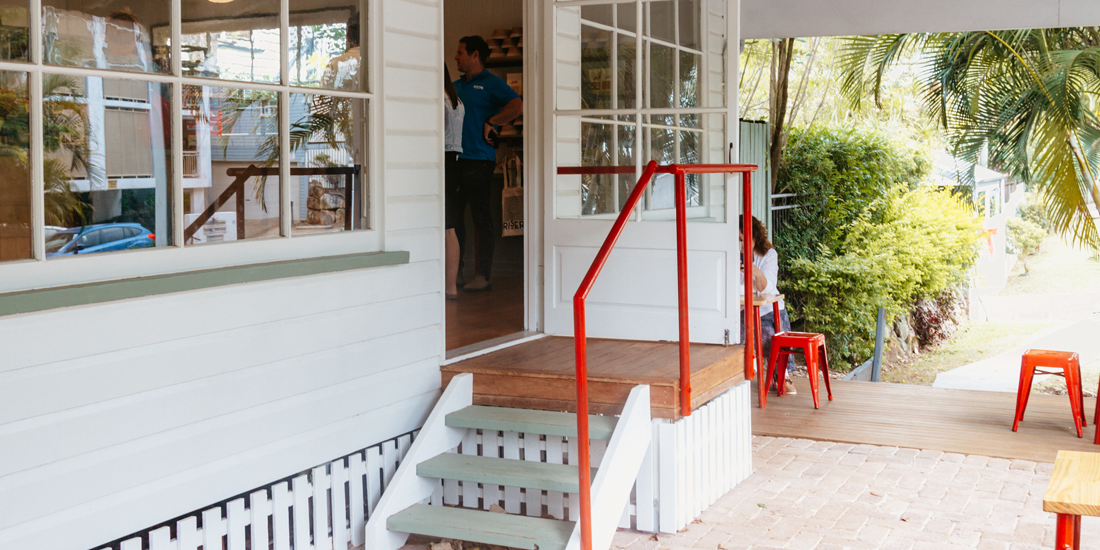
<point>727,337</point>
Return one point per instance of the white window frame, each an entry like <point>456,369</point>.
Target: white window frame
<point>641,112</point>
<point>39,273</point>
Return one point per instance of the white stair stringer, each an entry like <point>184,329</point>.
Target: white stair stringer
<point>406,488</point>
<point>618,470</point>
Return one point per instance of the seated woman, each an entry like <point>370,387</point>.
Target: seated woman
<point>765,273</point>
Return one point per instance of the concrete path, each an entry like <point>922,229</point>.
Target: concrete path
<point>1080,332</point>
<point>817,495</point>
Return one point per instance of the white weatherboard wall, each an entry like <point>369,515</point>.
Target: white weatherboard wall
<point>119,416</point>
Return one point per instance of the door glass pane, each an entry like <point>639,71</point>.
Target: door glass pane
<point>688,20</point>
<point>236,195</point>
<point>13,30</point>
<point>110,34</point>
<point>627,17</point>
<point>627,77</point>
<point>662,76</point>
<point>326,187</point>
<point>598,149</point>
<point>324,46</point>
<point>662,21</point>
<point>627,137</point>
<point>596,68</point>
<point>106,164</point>
<point>15,184</point>
<point>598,14</point>
<point>689,80</point>
<point>689,154</point>
<point>238,40</point>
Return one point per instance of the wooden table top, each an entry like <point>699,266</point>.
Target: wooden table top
<point>1074,484</point>
<point>764,299</point>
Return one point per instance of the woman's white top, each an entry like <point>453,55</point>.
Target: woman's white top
<point>452,125</point>
<point>768,264</point>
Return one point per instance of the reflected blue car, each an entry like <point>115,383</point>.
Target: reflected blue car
<point>104,237</point>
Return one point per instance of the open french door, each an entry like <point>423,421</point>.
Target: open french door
<point>628,83</point>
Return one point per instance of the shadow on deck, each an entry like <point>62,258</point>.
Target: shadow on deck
<point>922,417</point>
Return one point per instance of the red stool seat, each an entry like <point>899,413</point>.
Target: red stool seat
<point>812,346</point>
<point>1069,367</point>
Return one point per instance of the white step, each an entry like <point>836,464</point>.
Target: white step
<point>482,527</point>
<point>529,421</point>
<point>502,471</point>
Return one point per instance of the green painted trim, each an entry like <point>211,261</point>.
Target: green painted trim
<point>94,293</point>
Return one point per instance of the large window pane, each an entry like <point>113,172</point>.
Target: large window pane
<point>662,76</point>
<point>688,23</point>
<point>15,184</point>
<point>106,165</point>
<point>112,34</point>
<point>326,140</point>
<point>236,137</point>
<point>13,30</point>
<point>596,68</point>
<point>237,40</point>
<point>627,72</point>
<point>662,21</point>
<point>325,47</point>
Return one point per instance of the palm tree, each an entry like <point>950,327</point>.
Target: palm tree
<point>1029,95</point>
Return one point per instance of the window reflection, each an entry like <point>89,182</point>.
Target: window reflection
<point>324,47</point>
<point>231,185</point>
<point>105,35</point>
<point>13,30</point>
<point>15,185</point>
<point>237,40</point>
<point>326,185</point>
<point>106,166</point>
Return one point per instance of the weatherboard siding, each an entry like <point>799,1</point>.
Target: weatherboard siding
<point>117,416</point>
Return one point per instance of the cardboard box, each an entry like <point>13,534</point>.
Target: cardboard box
<point>515,80</point>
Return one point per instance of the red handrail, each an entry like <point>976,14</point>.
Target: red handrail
<point>579,334</point>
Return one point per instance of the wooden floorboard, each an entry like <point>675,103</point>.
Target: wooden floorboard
<point>922,417</point>
<point>540,374</point>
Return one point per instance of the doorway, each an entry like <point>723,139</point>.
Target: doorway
<point>482,318</point>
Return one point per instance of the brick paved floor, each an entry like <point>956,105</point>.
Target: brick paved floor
<point>816,495</point>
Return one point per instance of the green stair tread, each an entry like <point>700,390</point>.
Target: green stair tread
<point>529,420</point>
<point>482,527</point>
<point>502,471</point>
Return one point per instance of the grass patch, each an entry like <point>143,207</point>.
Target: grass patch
<point>1057,269</point>
<point>972,342</point>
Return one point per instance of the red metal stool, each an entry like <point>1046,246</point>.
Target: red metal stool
<point>812,346</point>
<point>1069,365</point>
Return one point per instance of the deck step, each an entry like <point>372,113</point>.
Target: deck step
<point>483,527</point>
<point>502,471</point>
<point>530,421</point>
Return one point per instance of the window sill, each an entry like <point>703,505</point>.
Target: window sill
<point>93,293</point>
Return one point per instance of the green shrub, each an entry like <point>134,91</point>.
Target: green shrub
<point>1034,211</point>
<point>1025,236</point>
<point>923,243</point>
<point>839,175</point>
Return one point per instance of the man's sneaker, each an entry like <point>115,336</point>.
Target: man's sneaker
<point>479,284</point>
<point>788,387</point>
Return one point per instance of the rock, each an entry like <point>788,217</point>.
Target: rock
<point>442,545</point>
<point>496,509</point>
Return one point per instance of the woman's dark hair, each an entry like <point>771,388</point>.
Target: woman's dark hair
<point>477,44</point>
<point>760,243</point>
<point>449,87</point>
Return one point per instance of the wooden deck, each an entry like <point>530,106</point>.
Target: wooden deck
<point>922,417</point>
<point>540,374</point>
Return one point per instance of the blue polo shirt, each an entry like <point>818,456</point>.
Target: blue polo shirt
<point>484,96</point>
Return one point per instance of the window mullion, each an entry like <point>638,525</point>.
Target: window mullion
<point>34,85</point>
<point>285,212</point>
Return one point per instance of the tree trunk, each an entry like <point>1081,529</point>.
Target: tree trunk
<point>782,52</point>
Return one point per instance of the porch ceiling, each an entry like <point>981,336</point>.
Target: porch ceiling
<point>800,18</point>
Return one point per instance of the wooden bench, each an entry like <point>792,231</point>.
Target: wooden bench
<point>1074,491</point>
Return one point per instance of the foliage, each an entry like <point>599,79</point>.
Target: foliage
<point>1025,236</point>
<point>916,245</point>
<point>1029,95</point>
<point>936,319</point>
<point>839,175</point>
<point>1033,211</point>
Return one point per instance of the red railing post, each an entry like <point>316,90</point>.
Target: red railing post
<point>584,462</point>
<point>682,291</point>
<point>746,248</point>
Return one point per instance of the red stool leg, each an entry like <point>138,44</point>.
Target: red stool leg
<point>1026,372</point>
<point>759,337</point>
<point>1067,532</point>
<point>824,362</point>
<point>1073,388</point>
<point>775,317</point>
<point>1080,394</point>
<point>1095,416</point>
<point>766,377</point>
<point>781,372</point>
<point>811,366</point>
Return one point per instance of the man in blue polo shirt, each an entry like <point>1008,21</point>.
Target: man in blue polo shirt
<point>490,103</point>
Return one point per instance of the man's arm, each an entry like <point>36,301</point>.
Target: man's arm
<point>508,113</point>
